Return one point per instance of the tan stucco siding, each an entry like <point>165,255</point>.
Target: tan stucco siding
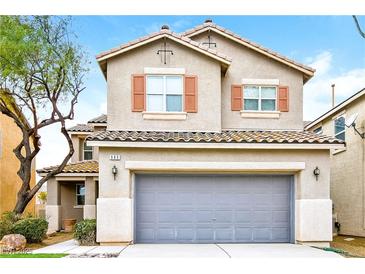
<point>347,172</point>
<point>249,64</point>
<point>120,69</point>
<point>10,183</point>
<point>307,187</point>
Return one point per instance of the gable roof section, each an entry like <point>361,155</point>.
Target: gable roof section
<point>307,71</point>
<point>80,128</point>
<point>336,109</point>
<point>164,33</point>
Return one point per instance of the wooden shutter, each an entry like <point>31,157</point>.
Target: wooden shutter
<point>283,99</point>
<point>236,97</point>
<point>138,92</point>
<point>191,93</point>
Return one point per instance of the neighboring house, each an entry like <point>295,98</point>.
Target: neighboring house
<point>10,183</point>
<point>347,164</point>
<point>204,143</point>
<point>76,188</point>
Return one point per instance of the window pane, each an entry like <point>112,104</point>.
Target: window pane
<point>173,103</point>
<point>154,84</point>
<point>174,85</point>
<point>268,92</point>
<point>339,124</point>
<point>154,103</point>
<point>341,136</point>
<point>88,155</point>
<point>318,130</point>
<point>251,92</point>
<point>267,104</point>
<point>251,104</point>
<point>80,189</point>
<point>80,200</point>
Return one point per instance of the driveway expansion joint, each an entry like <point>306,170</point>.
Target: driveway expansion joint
<point>221,248</point>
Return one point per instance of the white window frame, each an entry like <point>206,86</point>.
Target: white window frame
<point>260,98</point>
<point>164,94</point>
<point>334,126</point>
<point>83,151</point>
<point>77,195</point>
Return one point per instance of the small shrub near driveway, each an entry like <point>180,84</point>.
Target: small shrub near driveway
<point>33,229</point>
<point>7,221</point>
<point>85,232</point>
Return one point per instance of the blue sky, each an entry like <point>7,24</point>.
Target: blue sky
<point>330,44</point>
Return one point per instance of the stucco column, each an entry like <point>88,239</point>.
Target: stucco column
<point>90,198</point>
<point>53,207</point>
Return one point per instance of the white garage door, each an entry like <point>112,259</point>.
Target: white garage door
<point>213,209</point>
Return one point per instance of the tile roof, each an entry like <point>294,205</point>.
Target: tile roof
<point>279,137</point>
<point>100,119</point>
<point>213,26</point>
<point>89,166</point>
<point>81,128</point>
<point>165,33</point>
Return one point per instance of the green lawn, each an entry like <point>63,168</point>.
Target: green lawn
<point>30,255</point>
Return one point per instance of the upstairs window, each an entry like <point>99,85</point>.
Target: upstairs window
<point>88,152</point>
<point>318,130</point>
<point>259,98</point>
<point>340,128</point>
<point>164,93</point>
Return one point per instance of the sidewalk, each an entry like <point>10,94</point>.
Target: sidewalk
<point>71,247</point>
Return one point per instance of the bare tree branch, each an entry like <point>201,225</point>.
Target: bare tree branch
<point>358,26</point>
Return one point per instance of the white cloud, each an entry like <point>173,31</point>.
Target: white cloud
<point>317,92</point>
<point>322,63</point>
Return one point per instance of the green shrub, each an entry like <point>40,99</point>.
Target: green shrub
<point>33,229</point>
<point>85,232</point>
<point>7,221</point>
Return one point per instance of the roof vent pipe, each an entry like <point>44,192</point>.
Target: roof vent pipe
<point>333,95</point>
<point>165,27</point>
<point>208,20</point>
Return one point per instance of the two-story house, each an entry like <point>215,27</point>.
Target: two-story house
<point>347,164</point>
<point>72,194</point>
<point>204,143</point>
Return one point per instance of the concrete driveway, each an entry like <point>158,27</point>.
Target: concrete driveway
<point>225,250</point>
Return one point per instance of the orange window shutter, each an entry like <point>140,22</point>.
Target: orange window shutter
<point>138,92</point>
<point>283,99</point>
<point>191,93</point>
<point>236,97</point>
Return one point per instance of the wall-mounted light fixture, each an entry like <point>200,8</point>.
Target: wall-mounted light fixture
<point>114,171</point>
<point>316,172</point>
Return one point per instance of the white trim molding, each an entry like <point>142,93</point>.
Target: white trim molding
<point>164,115</point>
<point>260,114</point>
<point>271,82</point>
<point>212,145</point>
<point>214,166</point>
<point>178,71</point>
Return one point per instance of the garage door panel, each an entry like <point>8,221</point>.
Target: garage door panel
<point>207,209</point>
<point>243,216</point>
<point>243,234</point>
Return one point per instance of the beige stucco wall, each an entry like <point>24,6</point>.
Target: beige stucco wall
<point>308,191</point>
<point>10,183</point>
<point>347,173</point>
<point>120,69</point>
<point>249,64</point>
